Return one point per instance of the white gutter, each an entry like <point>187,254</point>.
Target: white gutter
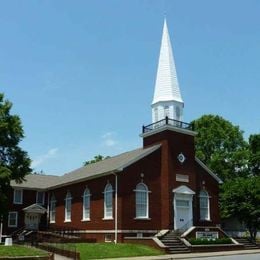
<point>48,209</point>
<point>1,228</point>
<point>116,208</point>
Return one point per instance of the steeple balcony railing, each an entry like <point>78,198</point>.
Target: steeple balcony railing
<point>167,121</point>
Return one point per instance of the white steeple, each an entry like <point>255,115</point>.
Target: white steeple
<point>167,100</point>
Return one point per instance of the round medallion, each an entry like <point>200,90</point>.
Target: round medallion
<point>181,158</point>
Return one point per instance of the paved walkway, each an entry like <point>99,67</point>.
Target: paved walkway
<point>191,255</point>
<point>60,257</point>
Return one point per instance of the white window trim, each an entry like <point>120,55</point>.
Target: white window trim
<point>147,208</point>
<point>43,198</point>
<point>105,209</point>
<point>208,197</point>
<point>88,196</point>
<point>66,219</point>
<point>52,201</point>
<point>16,219</point>
<point>19,202</point>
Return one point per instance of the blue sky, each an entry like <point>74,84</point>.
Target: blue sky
<point>81,73</point>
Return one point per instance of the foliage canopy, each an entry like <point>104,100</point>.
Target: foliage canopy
<point>221,146</point>
<point>241,198</point>
<point>14,162</point>
<point>97,158</point>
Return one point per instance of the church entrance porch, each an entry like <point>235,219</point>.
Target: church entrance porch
<point>32,216</point>
<point>182,207</point>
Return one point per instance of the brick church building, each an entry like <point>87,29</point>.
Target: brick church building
<point>160,186</point>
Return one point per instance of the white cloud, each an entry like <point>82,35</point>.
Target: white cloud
<point>45,157</point>
<point>109,139</point>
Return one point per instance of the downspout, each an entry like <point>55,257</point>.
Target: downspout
<point>48,210</point>
<point>116,213</point>
<point>1,228</point>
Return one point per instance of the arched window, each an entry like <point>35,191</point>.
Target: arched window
<point>141,201</point>
<point>108,202</point>
<point>68,207</point>
<point>156,114</point>
<point>166,111</point>
<point>178,113</point>
<point>86,204</point>
<point>204,205</point>
<point>52,209</point>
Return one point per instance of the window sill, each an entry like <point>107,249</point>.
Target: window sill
<point>111,218</point>
<point>205,220</point>
<point>51,222</point>
<point>67,221</point>
<point>144,218</point>
<point>85,220</point>
<point>17,203</point>
<point>12,226</point>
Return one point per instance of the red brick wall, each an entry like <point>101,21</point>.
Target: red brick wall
<point>173,143</point>
<point>96,187</point>
<point>127,181</point>
<point>29,198</point>
<point>150,167</point>
<point>212,187</point>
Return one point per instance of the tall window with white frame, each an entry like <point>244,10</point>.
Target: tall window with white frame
<point>86,204</point>
<point>12,219</point>
<point>108,202</point>
<point>18,197</point>
<point>204,205</point>
<point>142,201</point>
<point>68,200</point>
<point>40,197</point>
<point>52,209</point>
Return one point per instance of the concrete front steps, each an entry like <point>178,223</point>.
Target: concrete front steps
<point>246,242</point>
<point>173,243</point>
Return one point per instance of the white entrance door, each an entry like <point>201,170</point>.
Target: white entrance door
<point>182,213</point>
<point>182,206</point>
<point>32,220</point>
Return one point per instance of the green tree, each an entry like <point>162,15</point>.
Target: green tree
<point>254,154</point>
<point>221,146</point>
<point>241,199</point>
<point>97,158</point>
<point>14,162</point>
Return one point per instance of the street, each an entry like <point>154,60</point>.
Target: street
<point>232,257</point>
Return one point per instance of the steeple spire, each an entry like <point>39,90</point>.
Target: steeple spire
<point>167,100</point>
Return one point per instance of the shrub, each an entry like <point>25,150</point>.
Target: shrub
<point>203,241</point>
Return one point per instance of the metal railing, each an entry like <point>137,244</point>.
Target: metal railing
<point>167,121</point>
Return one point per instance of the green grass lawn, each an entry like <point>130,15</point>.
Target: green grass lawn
<point>17,250</point>
<point>110,250</point>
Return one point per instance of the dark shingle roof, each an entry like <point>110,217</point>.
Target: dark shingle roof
<point>36,181</point>
<point>107,166</point>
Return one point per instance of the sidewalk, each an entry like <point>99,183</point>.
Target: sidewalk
<point>190,255</point>
<point>60,257</point>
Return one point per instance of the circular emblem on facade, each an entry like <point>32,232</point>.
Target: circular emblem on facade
<point>181,158</point>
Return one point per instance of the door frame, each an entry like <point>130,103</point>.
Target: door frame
<point>183,193</point>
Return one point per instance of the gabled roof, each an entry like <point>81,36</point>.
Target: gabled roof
<point>36,182</point>
<point>105,167</point>
<point>183,190</point>
<point>35,208</point>
<point>210,172</point>
<point>166,86</point>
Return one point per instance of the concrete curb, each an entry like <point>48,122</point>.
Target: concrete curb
<point>190,255</point>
